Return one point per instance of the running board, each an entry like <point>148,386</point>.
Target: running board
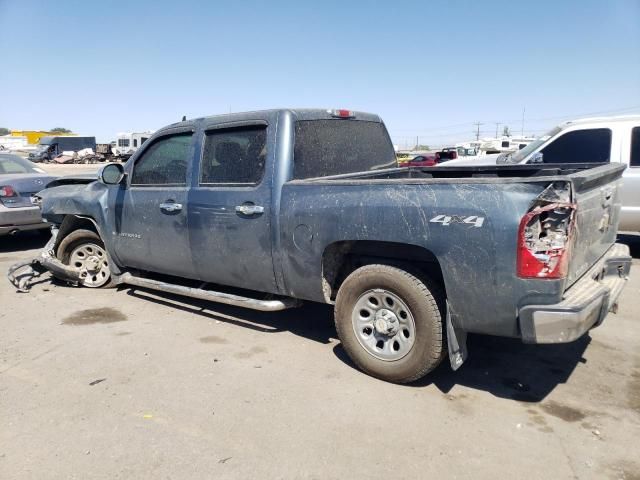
<point>219,297</point>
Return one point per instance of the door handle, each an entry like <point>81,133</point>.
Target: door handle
<point>248,209</point>
<point>170,207</point>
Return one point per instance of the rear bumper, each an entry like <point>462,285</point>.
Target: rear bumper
<point>20,219</point>
<point>583,306</point>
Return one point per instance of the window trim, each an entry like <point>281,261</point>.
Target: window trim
<point>230,126</point>
<point>140,153</point>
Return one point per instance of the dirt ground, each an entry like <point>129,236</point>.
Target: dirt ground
<point>129,384</point>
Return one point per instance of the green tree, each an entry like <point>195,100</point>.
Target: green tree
<point>4,131</point>
<point>422,147</point>
<point>60,130</point>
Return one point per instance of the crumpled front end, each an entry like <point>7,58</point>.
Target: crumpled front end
<point>22,274</point>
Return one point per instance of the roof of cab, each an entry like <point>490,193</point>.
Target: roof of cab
<point>298,113</point>
<point>614,118</point>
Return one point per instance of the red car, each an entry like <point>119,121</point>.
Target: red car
<point>431,159</point>
<point>427,160</point>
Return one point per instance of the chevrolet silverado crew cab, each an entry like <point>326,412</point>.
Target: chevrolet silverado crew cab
<point>291,205</point>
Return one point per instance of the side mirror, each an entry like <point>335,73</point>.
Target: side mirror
<point>112,174</point>
<point>536,158</point>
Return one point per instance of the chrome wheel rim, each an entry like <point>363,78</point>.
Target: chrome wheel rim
<point>91,262</point>
<point>383,325</point>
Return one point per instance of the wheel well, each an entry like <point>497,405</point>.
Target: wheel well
<point>74,222</point>
<point>341,258</point>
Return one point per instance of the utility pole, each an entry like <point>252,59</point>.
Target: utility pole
<point>522,131</point>
<point>477,124</point>
<point>497,125</point>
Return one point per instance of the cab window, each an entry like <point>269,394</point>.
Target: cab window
<point>234,156</point>
<point>580,146</point>
<point>634,159</point>
<point>164,162</point>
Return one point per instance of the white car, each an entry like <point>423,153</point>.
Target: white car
<point>589,140</point>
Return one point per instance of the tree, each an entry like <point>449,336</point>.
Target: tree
<point>60,130</point>
<point>506,132</point>
<point>4,131</point>
<point>422,147</point>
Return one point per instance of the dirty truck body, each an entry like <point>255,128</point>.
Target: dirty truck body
<point>310,205</point>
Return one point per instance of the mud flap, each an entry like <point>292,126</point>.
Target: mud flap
<point>456,343</point>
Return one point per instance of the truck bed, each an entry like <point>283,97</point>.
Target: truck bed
<point>582,174</point>
<point>475,247</point>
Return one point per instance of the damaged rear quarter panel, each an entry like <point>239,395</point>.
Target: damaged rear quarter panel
<point>477,262</point>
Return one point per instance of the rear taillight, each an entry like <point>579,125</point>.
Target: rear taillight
<point>7,191</point>
<point>544,241</point>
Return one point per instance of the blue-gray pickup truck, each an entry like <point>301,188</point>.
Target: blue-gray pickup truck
<point>268,209</point>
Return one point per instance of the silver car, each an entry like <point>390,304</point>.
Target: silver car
<point>19,181</point>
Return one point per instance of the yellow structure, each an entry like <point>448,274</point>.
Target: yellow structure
<point>34,136</point>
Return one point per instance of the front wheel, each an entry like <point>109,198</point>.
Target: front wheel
<point>84,251</point>
<point>390,323</point>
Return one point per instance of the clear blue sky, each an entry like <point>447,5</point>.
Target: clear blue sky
<point>428,68</point>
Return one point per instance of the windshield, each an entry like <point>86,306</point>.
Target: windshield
<point>520,155</point>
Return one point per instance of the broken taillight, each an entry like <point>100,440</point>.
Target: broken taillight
<point>544,241</point>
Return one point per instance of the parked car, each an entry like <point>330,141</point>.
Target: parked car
<point>19,181</point>
<point>294,205</point>
<point>50,147</point>
<point>430,159</point>
<point>590,140</point>
<point>427,160</point>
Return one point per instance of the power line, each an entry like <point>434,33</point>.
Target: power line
<point>477,124</point>
<point>422,131</point>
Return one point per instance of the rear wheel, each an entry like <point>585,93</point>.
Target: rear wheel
<point>390,323</point>
<point>84,251</point>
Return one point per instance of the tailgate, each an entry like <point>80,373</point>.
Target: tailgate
<point>596,194</point>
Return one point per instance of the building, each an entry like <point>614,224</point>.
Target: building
<point>33,136</point>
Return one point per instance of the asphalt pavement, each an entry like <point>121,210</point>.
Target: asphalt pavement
<point>129,384</point>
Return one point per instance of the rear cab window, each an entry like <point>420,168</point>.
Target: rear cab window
<point>340,146</point>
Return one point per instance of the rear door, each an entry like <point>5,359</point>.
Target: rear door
<point>151,214</point>
<point>230,207</point>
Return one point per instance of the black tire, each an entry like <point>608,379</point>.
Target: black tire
<point>76,239</point>
<point>426,305</point>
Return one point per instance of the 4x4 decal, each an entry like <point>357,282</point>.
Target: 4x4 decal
<point>446,220</point>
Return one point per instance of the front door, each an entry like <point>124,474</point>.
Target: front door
<point>230,209</point>
<point>150,215</point>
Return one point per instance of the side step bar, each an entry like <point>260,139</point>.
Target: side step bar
<point>219,297</point>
